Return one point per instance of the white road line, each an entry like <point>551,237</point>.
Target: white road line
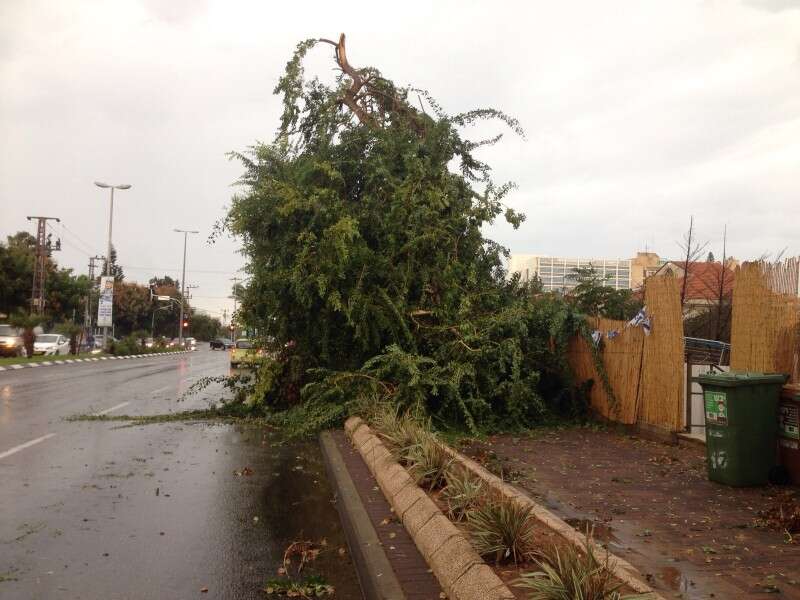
<point>108,410</point>
<point>161,389</point>
<point>16,449</point>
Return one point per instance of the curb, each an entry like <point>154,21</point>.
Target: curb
<point>461,572</point>
<point>375,574</point>
<point>72,361</point>
<point>620,568</point>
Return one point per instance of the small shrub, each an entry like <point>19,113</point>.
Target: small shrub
<point>428,462</point>
<point>570,572</point>
<point>502,529</point>
<point>401,432</point>
<point>462,492</point>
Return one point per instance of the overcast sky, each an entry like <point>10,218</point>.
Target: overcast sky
<point>637,115</point>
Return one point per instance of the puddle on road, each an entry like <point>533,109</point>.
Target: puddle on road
<point>601,532</point>
<point>674,579</point>
<point>289,492</point>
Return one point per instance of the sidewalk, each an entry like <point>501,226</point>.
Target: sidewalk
<point>654,506</point>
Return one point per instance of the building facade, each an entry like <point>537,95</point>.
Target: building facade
<point>558,273</point>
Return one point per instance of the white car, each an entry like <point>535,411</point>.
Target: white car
<point>50,344</point>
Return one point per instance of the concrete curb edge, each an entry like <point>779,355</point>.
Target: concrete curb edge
<point>73,361</point>
<point>378,580</point>
<point>460,571</point>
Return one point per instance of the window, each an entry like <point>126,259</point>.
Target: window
<point>244,344</point>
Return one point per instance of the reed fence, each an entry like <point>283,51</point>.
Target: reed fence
<point>644,372</point>
<point>765,322</point>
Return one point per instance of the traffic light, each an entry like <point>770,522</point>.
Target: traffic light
<point>186,323</point>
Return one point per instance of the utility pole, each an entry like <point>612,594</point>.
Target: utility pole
<point>87,319</point>
<point>43,249</point>
<point>185,233</point>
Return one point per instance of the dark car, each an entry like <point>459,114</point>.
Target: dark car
<point>220,344</point>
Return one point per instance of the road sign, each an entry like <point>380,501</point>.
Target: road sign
<point>106,303</point>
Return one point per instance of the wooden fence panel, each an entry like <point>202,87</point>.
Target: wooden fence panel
<point>660,400</point>
<point>645,372</point>
<point>765,319</point>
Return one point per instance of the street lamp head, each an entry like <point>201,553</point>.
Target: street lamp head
<point>124,186</point>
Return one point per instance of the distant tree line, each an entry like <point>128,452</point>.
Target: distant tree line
<point>66,295</point>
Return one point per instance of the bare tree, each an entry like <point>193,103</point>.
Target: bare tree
<point>691,250</point>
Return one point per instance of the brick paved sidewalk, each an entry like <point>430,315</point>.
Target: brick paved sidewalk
<point>655,507</point>
<point>416,579</point>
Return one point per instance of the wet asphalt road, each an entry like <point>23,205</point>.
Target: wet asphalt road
<point>105,510</point>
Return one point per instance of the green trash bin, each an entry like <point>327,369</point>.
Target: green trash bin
<point>741,425</point>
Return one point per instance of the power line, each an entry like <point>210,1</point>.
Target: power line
<point>72,244</point>
<point>77,237</point>
<point>164,270</point>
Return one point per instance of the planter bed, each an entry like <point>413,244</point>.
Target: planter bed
<point>446,545</point>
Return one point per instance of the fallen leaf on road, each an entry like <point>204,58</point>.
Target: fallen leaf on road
<point>204,590</point>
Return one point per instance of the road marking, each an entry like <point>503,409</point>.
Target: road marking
<point>16,449</point>
<point>108,410</point>
<point>17,366</point>
<point>161,389</point>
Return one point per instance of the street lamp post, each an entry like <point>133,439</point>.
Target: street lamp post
<point>185,233</point>
<point>124,186</point>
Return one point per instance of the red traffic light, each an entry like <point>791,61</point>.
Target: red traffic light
<point>186,323</point>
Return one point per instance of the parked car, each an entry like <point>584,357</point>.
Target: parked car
<point>51,344</point>
<point>220,344</point>
<point>245,353</point>
<point>11,343</point>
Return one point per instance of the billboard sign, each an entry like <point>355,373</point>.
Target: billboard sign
<point>106,303</point>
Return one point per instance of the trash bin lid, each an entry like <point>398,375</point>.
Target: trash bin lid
<point>740,378</point>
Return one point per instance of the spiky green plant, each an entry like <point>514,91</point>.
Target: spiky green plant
<point>462,492</point>
<point>428,461</point>
<point>502,529</point>
<point>572,573</point>
<point>400,431</point>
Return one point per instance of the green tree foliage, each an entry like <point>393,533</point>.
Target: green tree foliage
<point>592,296</point>
<point>133,308</point>
<point>64,292</point>
<point>204,327</point>
<point>114,269</point>
<point>369,272</point>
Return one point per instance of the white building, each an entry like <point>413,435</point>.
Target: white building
<point>558,273</point>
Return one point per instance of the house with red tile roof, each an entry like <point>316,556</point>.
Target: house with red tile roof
<point>704,282</point>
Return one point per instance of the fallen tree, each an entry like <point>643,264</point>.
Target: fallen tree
<point>370,278</point>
